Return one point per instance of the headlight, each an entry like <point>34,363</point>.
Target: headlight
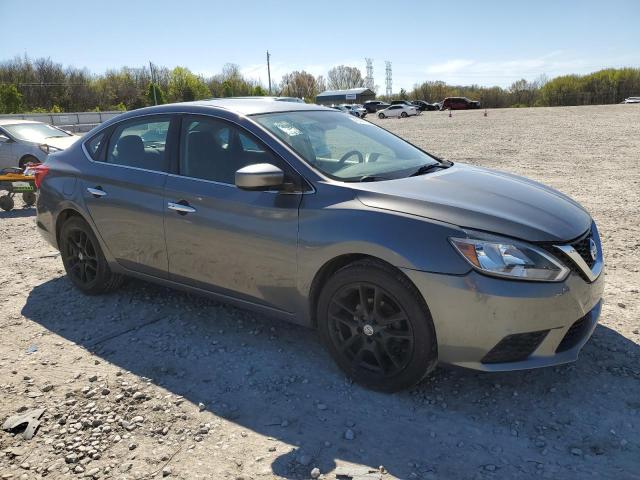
<point>49,148</point>
<point>506,258</point>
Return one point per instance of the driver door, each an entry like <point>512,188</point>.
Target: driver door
<point>224,239</point>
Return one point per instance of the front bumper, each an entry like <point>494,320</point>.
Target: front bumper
<point>474,313</point>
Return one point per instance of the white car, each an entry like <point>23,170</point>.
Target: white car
<point>632,100</point>
<point>24,141</point>
<point>356,110</point>
<point>399,110</point>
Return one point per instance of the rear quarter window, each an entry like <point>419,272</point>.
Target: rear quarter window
<point>93,145</point>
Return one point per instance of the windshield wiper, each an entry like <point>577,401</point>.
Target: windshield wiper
<point>428,168</point>
<point>372,178</point>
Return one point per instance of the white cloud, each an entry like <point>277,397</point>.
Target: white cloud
<point>503,72</point>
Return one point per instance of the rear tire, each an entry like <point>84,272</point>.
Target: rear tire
<point>390,343</point>
<point>83,260</point>
<point>404,115</point>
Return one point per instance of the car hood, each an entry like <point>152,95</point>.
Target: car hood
<point>482,199</point>
<point>61,142</point>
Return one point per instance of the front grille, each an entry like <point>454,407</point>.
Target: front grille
<point>516,347</point>
<point>569,263</point>
<point>582,246</point>
<point>575,334</point>
<point>584,249</point>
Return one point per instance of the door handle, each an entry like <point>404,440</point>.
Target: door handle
<point>96,192</point>
<point>182,209</point>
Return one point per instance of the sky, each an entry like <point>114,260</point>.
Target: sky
<point>460,42</point>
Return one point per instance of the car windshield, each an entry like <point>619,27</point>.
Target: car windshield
<point>345,147</point>
<point>34,132</point>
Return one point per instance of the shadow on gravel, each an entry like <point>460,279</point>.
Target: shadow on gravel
<point>18,213</point>
<point>275,379</point>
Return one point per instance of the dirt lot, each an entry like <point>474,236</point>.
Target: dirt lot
<point>149,383</point>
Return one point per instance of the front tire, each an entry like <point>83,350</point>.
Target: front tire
<point>83,260</point>
<point>404,115</point>
<point>381,115</point>
<point>377,327</point>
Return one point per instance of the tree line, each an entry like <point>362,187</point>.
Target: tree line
<point>42,85</point>
<point>602,87</point>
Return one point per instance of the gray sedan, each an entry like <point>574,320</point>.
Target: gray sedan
<point>399,259</point>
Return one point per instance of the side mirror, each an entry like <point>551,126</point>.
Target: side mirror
<point>260,176</point>
<point>4,138</point>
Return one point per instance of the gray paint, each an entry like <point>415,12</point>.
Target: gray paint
<point>262,250</point>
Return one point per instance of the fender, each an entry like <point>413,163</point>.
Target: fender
<point>348,227</point>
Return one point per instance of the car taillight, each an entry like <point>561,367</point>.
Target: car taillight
<point>39,172</point>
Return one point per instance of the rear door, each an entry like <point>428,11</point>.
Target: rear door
<point>231,241</point>
<point>123,191</point>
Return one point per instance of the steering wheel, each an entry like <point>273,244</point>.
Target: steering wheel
<point>350,153</point>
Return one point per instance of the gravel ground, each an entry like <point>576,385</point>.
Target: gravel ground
<point>151,383</point>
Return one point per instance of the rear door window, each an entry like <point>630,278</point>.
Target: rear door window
<point>140,143</point>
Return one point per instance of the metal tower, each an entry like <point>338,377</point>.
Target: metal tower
<point>368,81</point>
<point>388,79</point>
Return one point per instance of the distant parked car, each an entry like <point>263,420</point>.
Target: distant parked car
<point>398,111</point>
<point>632,100</point>
<point>372,106</point>
<point>356,110</point>
<point>459,103</point>
<point>341,108</point>
<point>24,141</point>
<point>426,106</point>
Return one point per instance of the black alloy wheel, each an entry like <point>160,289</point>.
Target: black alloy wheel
<point>377,326</point>
<point>370,328</point>
<point>84,260</point>
<point>81,257</point>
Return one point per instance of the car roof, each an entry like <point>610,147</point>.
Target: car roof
<point>15,121</point>
<point>250,106</point>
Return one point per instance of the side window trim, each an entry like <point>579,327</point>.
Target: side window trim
<point>104,148</point>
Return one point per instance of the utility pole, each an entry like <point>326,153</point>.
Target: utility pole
<point>153,84</point>
<point>269,70</point>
